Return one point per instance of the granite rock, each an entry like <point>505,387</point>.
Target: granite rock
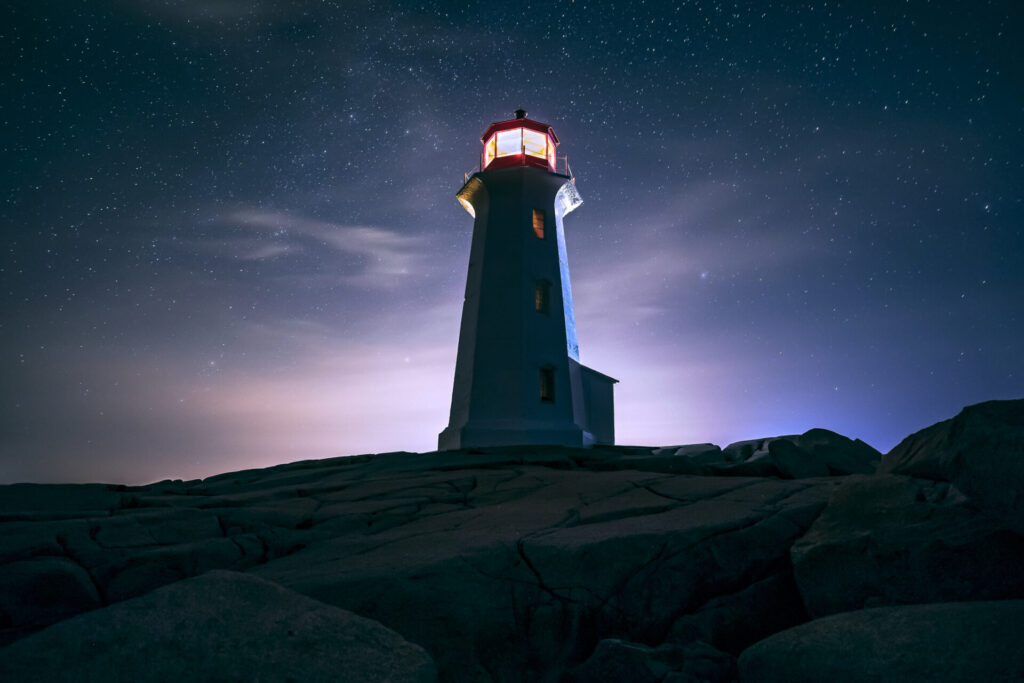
<point>526,563</point>
<point>733,622</point>
<point>219,626</point>
<point>815,453</point>
<point>981,451</point>
<point>543,563</point>
<point>42,591</point>
<point>615,661</point>
<point>890,539</point>
<point>935,643</point>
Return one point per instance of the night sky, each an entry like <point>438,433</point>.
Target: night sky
<point>231,239</point>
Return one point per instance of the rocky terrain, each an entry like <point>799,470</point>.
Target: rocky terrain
<point>793,558</point>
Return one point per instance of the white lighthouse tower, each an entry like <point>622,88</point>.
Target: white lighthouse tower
<point>518,377</point>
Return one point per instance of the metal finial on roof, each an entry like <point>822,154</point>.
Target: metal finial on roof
<point>520,113</point>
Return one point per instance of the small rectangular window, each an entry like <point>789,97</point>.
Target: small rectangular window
<point>541,294</point>
<point>538,223</point>
<point>547,384</point>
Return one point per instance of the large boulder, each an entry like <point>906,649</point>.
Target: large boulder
<point>895,540</point>
<point>815,453</point>
<point>751,449</point>
<point>219,626</point>
<point>970,641</point>
<point>794,462</point>
<point>981,451</point>
<point>840,454</point>
<point>41,591</point>
<point>698,451</point>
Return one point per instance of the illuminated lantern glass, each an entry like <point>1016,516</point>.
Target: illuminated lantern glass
<point>534,143</point>
<point>489,151</point>
<point>510,142</point>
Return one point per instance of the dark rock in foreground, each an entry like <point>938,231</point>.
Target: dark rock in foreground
<point>522,569</point>
<point>43,590</point>
<point>890,540</point>
<point>520,563</point>
<point>980,451</point>
<point>219,626</point>
<point>968,641</point>
<point>615,661</point>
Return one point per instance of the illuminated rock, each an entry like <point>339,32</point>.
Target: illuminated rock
<point>815,453</point>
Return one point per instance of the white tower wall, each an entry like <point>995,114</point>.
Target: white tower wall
<point>507,347</point>
<point>504,342</point>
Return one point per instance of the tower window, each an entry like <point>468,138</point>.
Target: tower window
<point>541,296</point>
<point>547,384</point>
<point>538,223</point>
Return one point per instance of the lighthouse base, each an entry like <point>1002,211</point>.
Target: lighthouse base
<point>592,406</point>
<point>475,436</point>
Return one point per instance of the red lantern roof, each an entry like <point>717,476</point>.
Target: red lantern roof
<point>519,122</point>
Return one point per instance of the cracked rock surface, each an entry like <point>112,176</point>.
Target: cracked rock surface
<point>522,563</point>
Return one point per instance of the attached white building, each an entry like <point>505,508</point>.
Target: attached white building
<point>518,379</point>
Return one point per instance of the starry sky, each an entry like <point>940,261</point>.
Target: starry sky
<point>231,239</point>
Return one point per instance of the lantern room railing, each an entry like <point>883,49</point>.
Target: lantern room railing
<point>567,170</point>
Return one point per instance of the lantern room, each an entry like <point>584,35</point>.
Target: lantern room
<point>519,142</point>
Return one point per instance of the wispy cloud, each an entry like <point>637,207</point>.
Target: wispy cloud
<point>697,249</point>
<point>374,257</point>
<point>247,249</point>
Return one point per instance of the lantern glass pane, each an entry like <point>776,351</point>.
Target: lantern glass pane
<point>535,143</point>
<point>489,151</point>
<point>509,142</point>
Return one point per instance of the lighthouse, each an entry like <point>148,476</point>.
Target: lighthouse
<point>518,376</point>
